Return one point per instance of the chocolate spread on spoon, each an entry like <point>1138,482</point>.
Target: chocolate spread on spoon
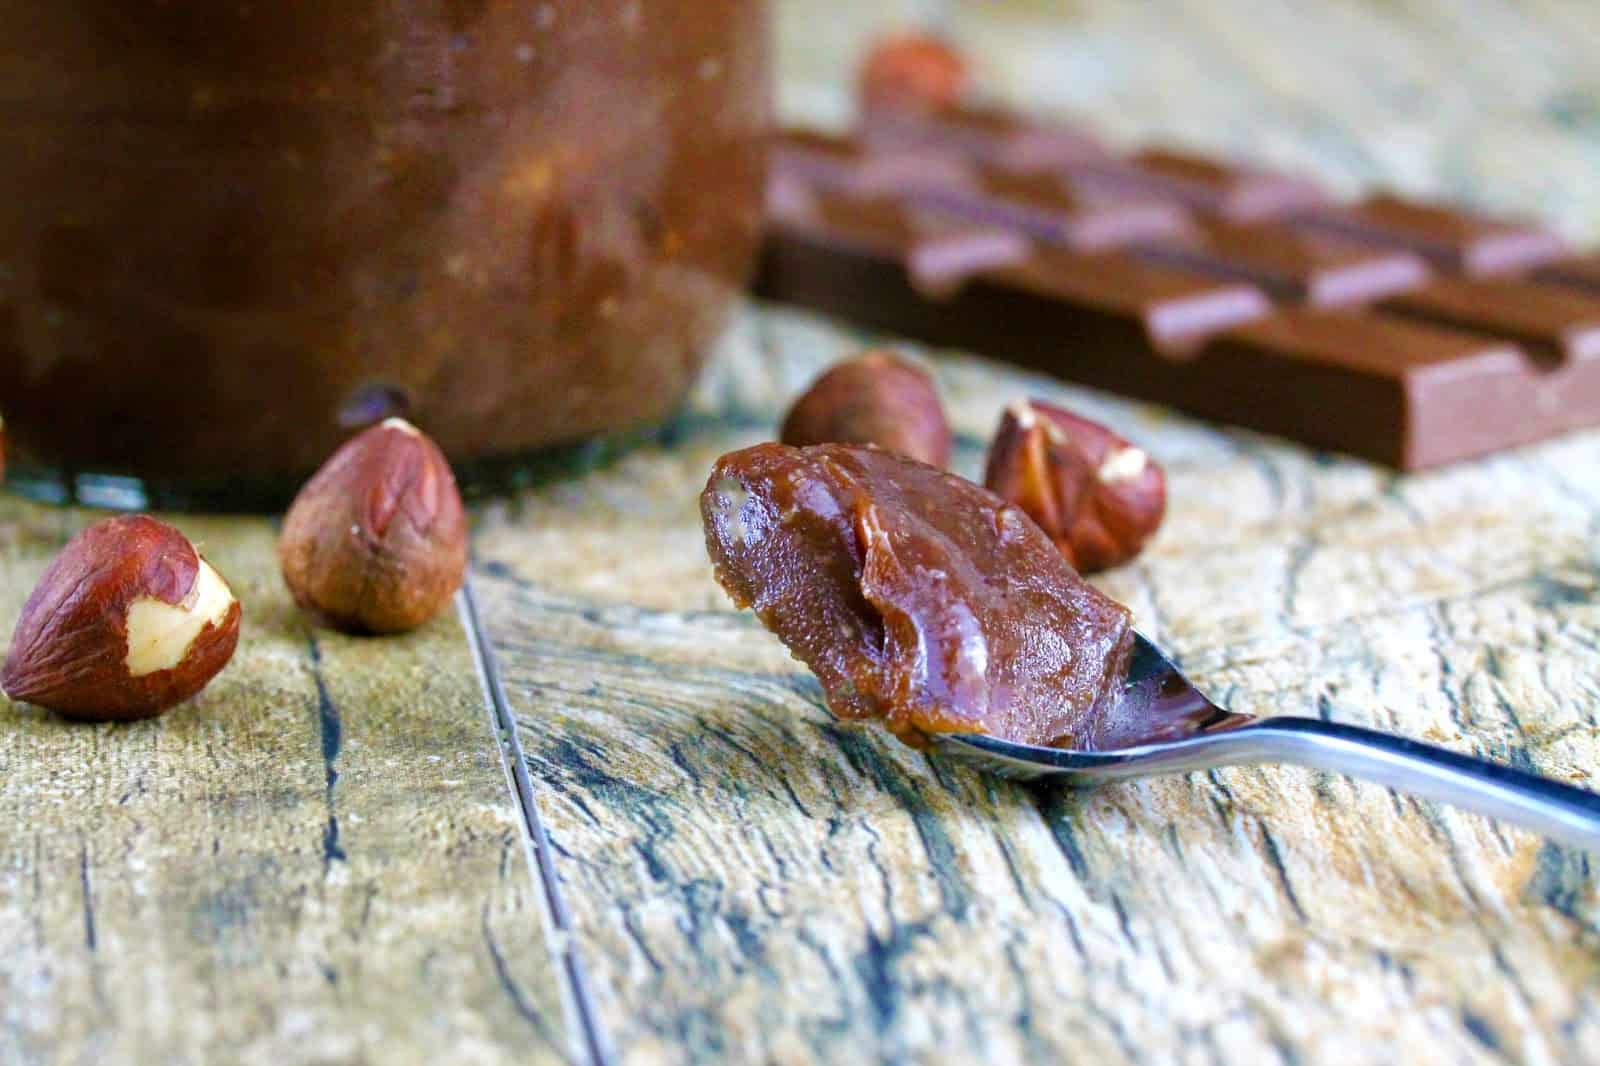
<point>916,597</point>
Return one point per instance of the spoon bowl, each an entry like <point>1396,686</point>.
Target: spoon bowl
<point>1162,724</point>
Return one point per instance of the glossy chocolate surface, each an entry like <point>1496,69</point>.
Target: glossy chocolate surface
<point>917,598</point>
<point>229,232</point>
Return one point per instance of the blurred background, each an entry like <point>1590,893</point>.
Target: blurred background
<point>1494,102</point>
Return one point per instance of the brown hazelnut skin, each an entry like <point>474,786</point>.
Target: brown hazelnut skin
<point>875,398</point>
<point>1097,496</point>
<point>912,70</point>
<point>77,647</point>
<point>376,541</point>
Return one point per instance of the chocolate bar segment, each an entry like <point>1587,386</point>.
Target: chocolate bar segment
<point>868,261</point>
<point>1174,311</point>
<point>996,138</point>
<point>938,253</point>
<point>1230,191</point>
<point>1579,272</point>
<point>1550,322</point>
<point>1051,208</point>
<point>1407,394</point>
<point>1289,265</point>
<point>841,162</point>
<point>1453,240</point>
<point>1044,205</point>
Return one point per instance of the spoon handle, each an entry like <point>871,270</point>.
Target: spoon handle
<point>1562,812</point>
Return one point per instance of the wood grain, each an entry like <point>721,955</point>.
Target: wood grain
<point>753,881</point>
<point>316,860</point>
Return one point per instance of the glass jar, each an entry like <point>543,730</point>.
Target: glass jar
<point>230,234</point>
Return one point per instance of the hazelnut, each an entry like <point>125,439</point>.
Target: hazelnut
<point>376,541</point>
<point>913,70</point>
<point>1097,496</point>
<point>875,398</point>
<point>126,622</point>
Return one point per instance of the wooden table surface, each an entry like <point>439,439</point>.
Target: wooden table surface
<point>632,832</point>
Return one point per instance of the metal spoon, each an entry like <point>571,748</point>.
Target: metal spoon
<point>1164,725</point>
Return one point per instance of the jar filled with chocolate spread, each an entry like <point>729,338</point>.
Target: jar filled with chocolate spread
<point>232,233</point>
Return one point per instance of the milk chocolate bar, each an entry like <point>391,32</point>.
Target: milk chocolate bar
<point>1412,334</point>
<point>996,138</point>
<point>1452,239</point>
<point>842,163</point>
<point>1233,191</point>
<point>1582,272</point>
<point>1053,207</point>
<point>1554,324</point>
<point>1288,265</point>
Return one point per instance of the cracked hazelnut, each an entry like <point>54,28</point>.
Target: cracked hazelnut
<point>913,70</point>
<point>875,398</point>
<point>376,541</point>
<point>1097,496</point>
<point>126,622</point>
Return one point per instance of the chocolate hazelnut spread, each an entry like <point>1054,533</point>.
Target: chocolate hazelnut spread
<point>230,233</point>
<point>916,597</point>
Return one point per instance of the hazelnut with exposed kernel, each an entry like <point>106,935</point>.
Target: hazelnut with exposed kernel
<point>1097,496</point>
<point>376,541</point>
<point>875,398</point>
<point>126,622</point>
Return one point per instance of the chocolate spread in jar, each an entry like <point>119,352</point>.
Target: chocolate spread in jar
<point>916,597</point>
<point>226,230</point>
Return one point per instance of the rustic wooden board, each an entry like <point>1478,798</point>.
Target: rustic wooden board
<point>751,880</point>
<point>316,860</point>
